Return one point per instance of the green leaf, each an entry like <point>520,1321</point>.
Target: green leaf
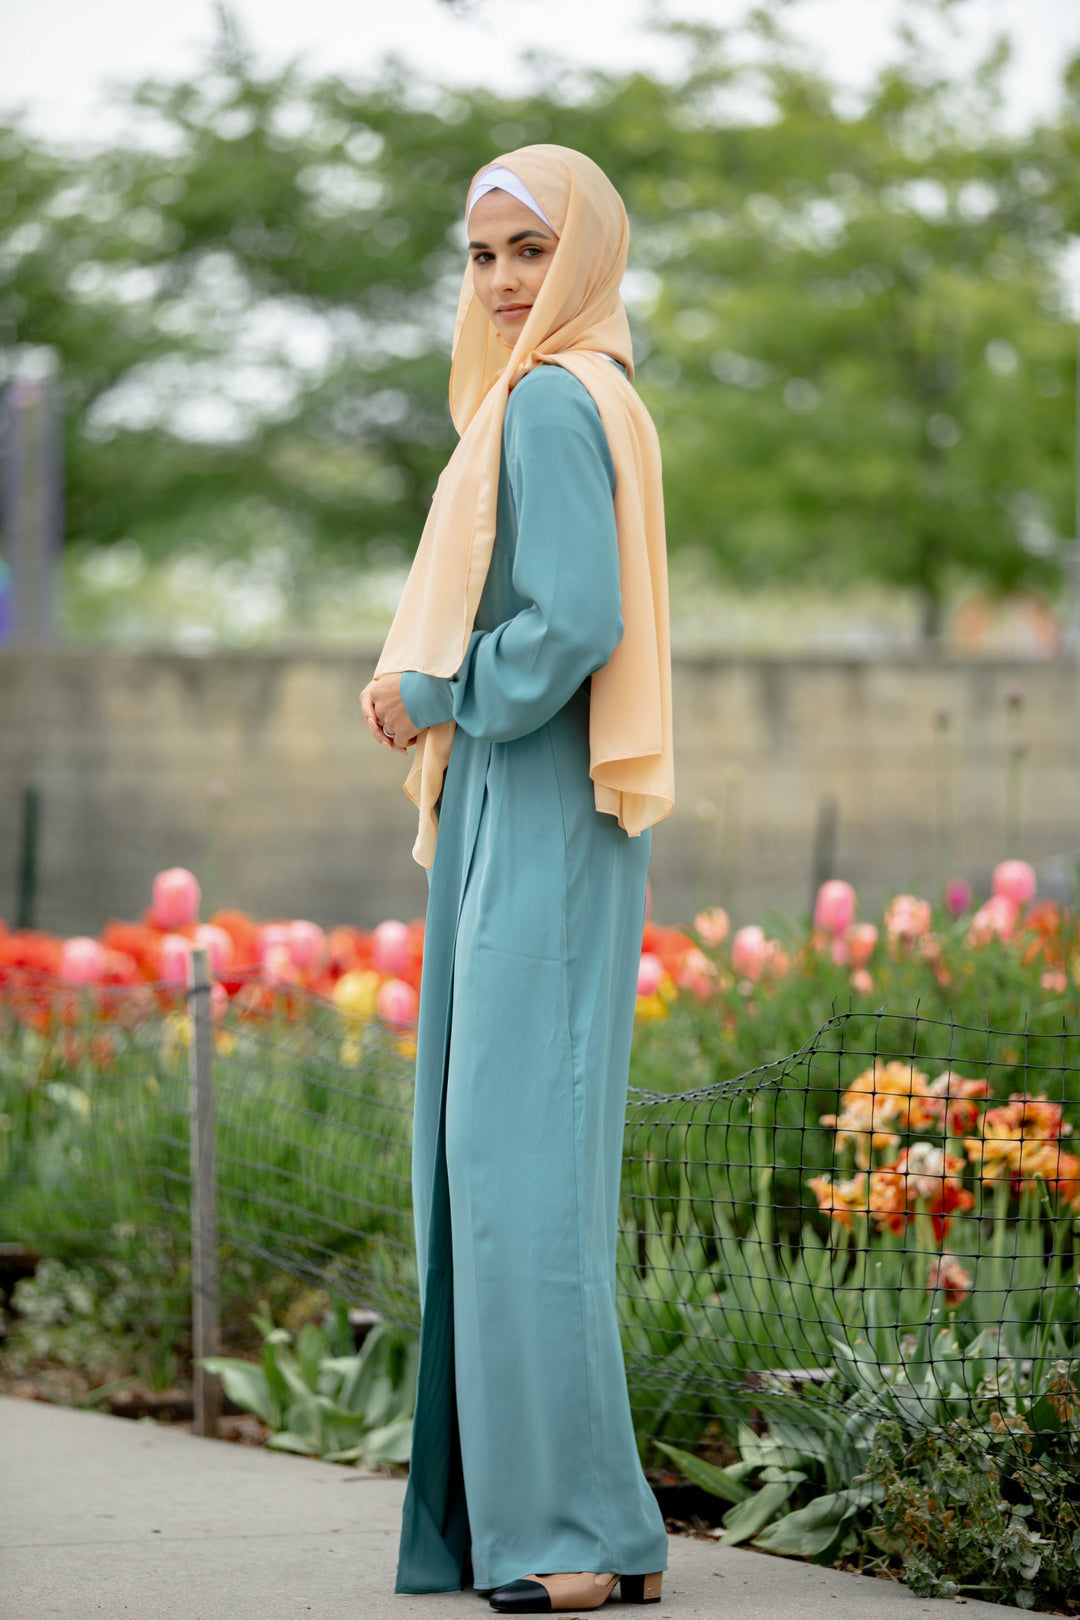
<point>287,1441</point>
<point>245,1383</point>
<point>311,1349</point>
<point>717,1481</point>
<point>747,1518</point>
<point>809,1530</point>
<point>390,1444</point>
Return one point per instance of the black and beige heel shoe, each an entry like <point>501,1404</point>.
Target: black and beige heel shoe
<point>554,1594</point>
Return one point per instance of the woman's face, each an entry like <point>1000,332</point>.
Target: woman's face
<point>511,251</point>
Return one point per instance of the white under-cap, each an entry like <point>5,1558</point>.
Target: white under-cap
<point>503,179</point>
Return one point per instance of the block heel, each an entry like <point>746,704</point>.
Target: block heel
<point>640,1588</point>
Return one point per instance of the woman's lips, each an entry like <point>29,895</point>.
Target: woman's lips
<point>513,309</point>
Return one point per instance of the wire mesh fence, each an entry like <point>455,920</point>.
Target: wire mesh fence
<point>882,1225</point>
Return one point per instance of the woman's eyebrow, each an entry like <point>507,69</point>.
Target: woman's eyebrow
<point>518,236</point>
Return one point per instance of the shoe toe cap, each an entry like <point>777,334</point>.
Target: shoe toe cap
<point>521,1597</point>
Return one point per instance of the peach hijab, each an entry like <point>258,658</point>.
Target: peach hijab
<point>576,321</point>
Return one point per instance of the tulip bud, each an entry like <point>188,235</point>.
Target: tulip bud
<point>397,1002</point>
<point>390,947</point>
<point>176,896</point>
<point>217,944</point>
<point>174,953</point>
<point>1015,880</point>
<point>650,972</point>
<point>713,925</point>
<point>307,946</point>
<point>834,908</point>
<point>82,960</point>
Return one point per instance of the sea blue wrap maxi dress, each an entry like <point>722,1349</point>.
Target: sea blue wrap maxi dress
<point>523,1449</point>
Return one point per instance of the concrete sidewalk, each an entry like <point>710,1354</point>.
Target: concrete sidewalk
<point>100,1516</point>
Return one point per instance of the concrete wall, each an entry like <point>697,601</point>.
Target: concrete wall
<point>123,747</point>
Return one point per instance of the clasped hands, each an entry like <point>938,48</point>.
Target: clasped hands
<point>387,717</point>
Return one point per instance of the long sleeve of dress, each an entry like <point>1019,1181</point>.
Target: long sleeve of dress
<point>516,676</point>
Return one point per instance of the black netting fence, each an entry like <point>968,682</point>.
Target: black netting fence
<point>883,1225</point>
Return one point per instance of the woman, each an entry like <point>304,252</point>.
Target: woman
<point>529,663</point>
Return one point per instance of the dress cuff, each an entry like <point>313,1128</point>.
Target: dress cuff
<point>428,699</point>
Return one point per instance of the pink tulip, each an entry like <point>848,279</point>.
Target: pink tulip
<point>751,952</point>
<point>82,960</point>
<point>390,947</point>
<point>958,896</point>
<point>397,1002</point>
<point>862,983</point>
<point>219,1001</point>
<point>1015,880</point>
<point>696,974</point>
<point>834,908</point>
<point>307,946</point>
<point>994,920</point>
<point>907,917</point>
<point>713,925</point>
<point>176,897</point>
<point>278,967</point>
<point>650,972</point>
<point>861,939</point>
<point>217,944</point>
<point>272,936</point>
<point>840,950</point>
<point>1055,980</point>
<point>174,953</point>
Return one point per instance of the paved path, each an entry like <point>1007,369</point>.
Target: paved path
<point>102,1516</point>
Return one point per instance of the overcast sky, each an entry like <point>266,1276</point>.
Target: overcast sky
<point>59,55</point>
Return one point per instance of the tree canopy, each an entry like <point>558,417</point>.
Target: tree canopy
<point>851,323</point>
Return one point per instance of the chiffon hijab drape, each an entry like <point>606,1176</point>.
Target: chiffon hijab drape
<point>577,321</point>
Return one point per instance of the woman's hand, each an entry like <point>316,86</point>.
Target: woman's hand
<point>386,715</point>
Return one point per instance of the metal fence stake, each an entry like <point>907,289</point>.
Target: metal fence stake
<point>26,904</point>
<point>205,1292</point>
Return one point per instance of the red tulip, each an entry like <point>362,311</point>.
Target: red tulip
<point>862,941</point>
<point>176,898</point>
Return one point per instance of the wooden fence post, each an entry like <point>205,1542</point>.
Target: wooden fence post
<point>205,1294</point>
<point>823,862</point>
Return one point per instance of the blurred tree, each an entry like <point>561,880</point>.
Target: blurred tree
<point>863,354</point>
<point>851,323</point>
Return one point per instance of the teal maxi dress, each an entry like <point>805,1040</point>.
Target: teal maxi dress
<point>523,1449</point>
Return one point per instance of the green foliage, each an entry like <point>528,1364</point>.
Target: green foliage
<point>785,1465</point>
<point>850,325</point>
<point>972,1491</point>
<point>323,1402</point>
<point>113,1318</point>
<point>970,1511</point>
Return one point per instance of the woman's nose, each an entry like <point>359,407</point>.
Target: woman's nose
<point>507,277</point>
